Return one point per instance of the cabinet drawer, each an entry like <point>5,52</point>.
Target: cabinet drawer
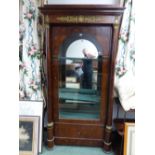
<point>79,130</point>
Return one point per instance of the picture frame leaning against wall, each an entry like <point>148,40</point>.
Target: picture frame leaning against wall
<point>28,135</point>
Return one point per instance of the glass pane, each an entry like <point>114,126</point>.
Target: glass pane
<point>79,87</point>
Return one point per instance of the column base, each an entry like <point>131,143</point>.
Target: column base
<point>107,143</point>
<point>50,143</point>
<point>107,147</point>
<point>50,137</point>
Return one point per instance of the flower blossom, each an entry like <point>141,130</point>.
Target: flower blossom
<point>32,51</point>
<point>29,15</point>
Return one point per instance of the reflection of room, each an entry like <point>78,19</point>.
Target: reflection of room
<point>79,96</point>
<point>75,50</point>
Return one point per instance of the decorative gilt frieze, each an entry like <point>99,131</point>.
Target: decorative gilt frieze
<point>116,20</point>
<point>51,140</point>
<point>116,26</point>
<point>116,23</point>
<point>47,26</point>
<point>46,19</point>
<point>107,143</point>
<point>46,22</point>
<point>79,19</point>
<point>50,125</point>
<point>108,127</point>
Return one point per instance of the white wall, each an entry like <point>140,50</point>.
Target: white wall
<point>84,1</point>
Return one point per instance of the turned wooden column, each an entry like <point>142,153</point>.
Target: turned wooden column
<point>108,128</point>
<point>50,125</point>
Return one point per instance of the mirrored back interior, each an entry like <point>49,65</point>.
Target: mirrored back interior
<point>80,74</point>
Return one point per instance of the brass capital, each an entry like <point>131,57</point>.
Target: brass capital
<point>51,124</point>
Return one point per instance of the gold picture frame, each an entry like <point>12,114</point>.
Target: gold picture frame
<point>129,139</point>
<point>28,135</point>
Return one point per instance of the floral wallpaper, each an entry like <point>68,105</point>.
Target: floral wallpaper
<point>30,47</point>
<point>124,84</point>
<point>29,50</point>
<point>126,47</point>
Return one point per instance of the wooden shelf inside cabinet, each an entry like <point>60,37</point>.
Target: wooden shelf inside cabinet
<point>81,95</point>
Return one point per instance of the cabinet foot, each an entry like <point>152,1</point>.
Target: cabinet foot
<point>107,142</point>
<point>50,138</point>
<point>50,143</point>
<point>107,147</point>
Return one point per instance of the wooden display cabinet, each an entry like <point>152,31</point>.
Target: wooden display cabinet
<point>78,72</point>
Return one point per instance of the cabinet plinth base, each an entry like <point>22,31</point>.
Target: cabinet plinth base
<point>107,143</point>
<point>78,142</point>
<point>50,144</point>
<point>107,147</point>
<point>50,139</point>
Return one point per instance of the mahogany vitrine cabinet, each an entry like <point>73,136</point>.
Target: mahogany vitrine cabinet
<point>80,46</point>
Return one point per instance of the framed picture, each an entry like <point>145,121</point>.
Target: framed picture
<point>33,108</point>
<point>129,139</point>
<point>28,135</point>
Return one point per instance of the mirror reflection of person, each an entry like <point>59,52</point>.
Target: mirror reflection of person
<point>87,68</point>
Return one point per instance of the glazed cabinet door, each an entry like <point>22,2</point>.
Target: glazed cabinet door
<point>80,57</point>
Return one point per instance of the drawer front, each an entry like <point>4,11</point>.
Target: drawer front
<point>79,131</point>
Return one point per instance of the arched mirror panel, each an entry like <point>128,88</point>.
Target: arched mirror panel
<point>80,77</point>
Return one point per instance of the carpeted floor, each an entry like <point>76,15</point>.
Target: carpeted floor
<point>74,150</point>
<point>78,150</point>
